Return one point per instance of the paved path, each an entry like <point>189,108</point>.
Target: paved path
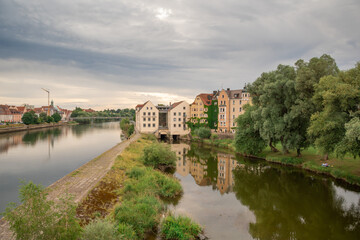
<point>79,182</point>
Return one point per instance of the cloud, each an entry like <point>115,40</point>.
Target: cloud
<point>95,50</point>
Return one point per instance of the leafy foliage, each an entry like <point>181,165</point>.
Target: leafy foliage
<point>100,230</point>
<point>203,132</point>
<point>180,227</point>
<point>29,118</point>
<point>56,117</point>
<point>126,127</point>
<point>159,154</point>
<point>38,218</point>
<point>247,137</point>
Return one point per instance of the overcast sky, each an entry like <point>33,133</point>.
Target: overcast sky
<point>118,53</point>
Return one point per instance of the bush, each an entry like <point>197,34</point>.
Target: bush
<point>29,118</point>
<point>38,218</point>
<point>141,213</point>
<point>126,232</point>
<point>180,227</point>
<point>100,230</point>
<point>158,154</point>
<point>151,182</point>
<point>203,133</point>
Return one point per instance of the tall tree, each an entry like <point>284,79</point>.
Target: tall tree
<point>339,97</point>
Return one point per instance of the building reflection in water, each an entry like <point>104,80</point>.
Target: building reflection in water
<point>206,168</point>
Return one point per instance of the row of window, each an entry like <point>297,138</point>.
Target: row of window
<point>149,119</point>
<point>149,114</point>
<point>179,119</point>
<point>149,125</point>
<point>179,114</point>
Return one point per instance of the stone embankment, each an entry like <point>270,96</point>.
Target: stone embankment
<point>30,127</point>
<point>79,182</point>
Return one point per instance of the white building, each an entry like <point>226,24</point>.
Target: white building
<point>147,118</point>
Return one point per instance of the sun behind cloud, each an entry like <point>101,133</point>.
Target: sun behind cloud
<point>163,13</point>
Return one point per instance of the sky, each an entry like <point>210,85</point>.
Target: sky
<point>119,53</point>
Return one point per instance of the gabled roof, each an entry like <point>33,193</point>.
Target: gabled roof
<point>174,105</point>
<point>21,109</point>
<point>141,105</point>
<point>206,98</point>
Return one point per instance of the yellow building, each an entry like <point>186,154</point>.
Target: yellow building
<point>198,111</point>
<point>231,105</point>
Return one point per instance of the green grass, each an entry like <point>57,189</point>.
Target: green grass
<point>180,227</point>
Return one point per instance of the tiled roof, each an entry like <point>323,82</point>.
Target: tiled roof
<point>206,98</point>
<point>4,110</point>
<point>174,105</point>
<point>141,105</point>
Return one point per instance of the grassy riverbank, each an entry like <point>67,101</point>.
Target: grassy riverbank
<point>130,196</point>
<point>347,168</point>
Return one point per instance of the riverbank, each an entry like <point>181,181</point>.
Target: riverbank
<point>80,181</point>
<point>22,127</point>
<point>346,169</point>
<point>132,194</point>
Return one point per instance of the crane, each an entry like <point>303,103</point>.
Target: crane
<point>48,91</point>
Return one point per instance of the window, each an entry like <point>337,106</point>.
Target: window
<point>154,119</point>
<point>174,125</point>
<point>233,116</point>
<point>174,113</point>
<point>144,113</point>
<point>233,109</point>
<point>184,114</point>
<point>174,119</point>
<point>144,119</point>
<point>179,119</point>
<point>222,96</point>
<point>144,125</point>
<point>153,113</point>
<point>240,109</point>
<point>151,108</point>
<point>179,114</point>
<point>184,108</point>
<point>153,124</point>
<point>179,125</point>
<point>233,101</point>
<point>149,119</point>
<point>149,125</point>
<point>240,102</point>
<point>220,102</point>
<point>147,108</point>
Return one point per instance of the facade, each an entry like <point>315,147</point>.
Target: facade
<point>198,111</point>
<point>147,118</point>
<point>178,115</point>
<point>169,121</point>
<point>231,105</point>
<point>5,114</point>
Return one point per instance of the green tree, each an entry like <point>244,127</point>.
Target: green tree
<point>247,137</point>
<point>56,117</point>
<point>49,119</point>
<point>41,219</point>
<point>29,118</point>
<point>351,142</point>
<point>274,95</point>
<point>42,117</point>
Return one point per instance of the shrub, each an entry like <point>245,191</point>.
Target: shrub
<point>141,213</point>
<point>203,133</point>
<point>126,232</point>
<point>180,227</point>
<point>158,154</point>
<point>39,218</point>
<point>100,230</point>
<point>56,117</point>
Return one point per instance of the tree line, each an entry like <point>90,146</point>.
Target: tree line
<point>79,112</point>
<point>31,118</point>
<point>311,103</point>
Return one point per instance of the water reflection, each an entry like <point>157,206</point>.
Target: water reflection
<point>46,155</point>
<point>239,198</point>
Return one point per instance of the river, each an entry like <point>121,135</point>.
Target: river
<point>46,155</point>
<point>231,196</point>
<point>239,198</point>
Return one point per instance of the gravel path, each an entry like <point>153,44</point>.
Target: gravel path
<point>79,182</point>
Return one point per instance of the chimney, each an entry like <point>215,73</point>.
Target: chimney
<point>228,89</point>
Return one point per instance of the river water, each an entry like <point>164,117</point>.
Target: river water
<point>238,198</point>
<point>231,196</point>
<point>46,155</point>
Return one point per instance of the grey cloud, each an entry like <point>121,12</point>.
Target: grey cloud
<point>202,45</point>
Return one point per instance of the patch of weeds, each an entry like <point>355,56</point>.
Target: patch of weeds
<point>180,227</point>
